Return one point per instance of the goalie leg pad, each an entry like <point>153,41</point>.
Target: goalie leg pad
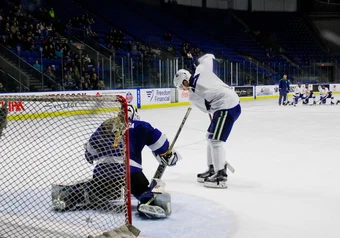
<point>95,193</point>
<point>159,207</point>
<point>104,191</point>
<point>70,197</point>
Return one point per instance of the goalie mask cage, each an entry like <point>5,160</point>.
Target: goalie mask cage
<point>42,144</point>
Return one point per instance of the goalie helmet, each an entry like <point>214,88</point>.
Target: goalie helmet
<point>132,113</point>
<point>181,76</point>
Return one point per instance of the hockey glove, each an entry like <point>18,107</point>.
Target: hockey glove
<point>169,158</point>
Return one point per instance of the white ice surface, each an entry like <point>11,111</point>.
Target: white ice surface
<point>287,162</point>
<point>286,182</point>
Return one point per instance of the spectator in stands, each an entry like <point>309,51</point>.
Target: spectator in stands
<point>101,85</point>
<point>94,81</point>
<point>4,40</point>
<point>85,83</point>
<point>54,70</point>
<point>2,88</point>
<point>50,73</point>
<point>70,73</point>
<point>76,72</point>
<point>86,60</point>
<point>28,44</point>
<point>58,53</point>
<point>52,14</point>
<point>283,89</point>
<point>70,83</point>
<point>88,79</point>
<point>36,65</point>
<point>186,51</point>
<point>14,28</point>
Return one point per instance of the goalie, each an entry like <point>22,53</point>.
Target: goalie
<point>105,148</point>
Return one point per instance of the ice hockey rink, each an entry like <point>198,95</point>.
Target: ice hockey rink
<point>286,182</point>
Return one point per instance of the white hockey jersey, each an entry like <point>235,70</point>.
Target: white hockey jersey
<point>207,88</point>
<point>323,91</point>
<point>305,91</point>
<point>297,90</point>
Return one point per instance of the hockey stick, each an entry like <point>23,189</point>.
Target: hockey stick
<point>319,102</point>
<point>231,168</point>
<point>161,167</point>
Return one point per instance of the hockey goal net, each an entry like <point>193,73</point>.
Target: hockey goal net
<point>42,147</point>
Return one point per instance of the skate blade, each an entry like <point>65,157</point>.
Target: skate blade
<point>200,180</point>
<point>222,184</point>
<point>152,211</point>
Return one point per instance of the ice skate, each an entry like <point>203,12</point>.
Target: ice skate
<point>203,176</point>
<point>218,180</point>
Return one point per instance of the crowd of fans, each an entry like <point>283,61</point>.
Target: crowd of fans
<point>190,52</point>
<point>39,33</point>
<point>35,32</point>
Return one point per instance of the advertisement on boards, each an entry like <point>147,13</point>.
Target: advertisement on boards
<point>155,96</point>
<point>267,90</point>
<point>244,91</point>
<point>21,106</point>
<point>129,94</point>
<point>334,87</point>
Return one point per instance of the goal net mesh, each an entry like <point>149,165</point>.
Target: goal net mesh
<point>48,188</point>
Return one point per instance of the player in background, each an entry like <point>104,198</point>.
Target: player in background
<point>283,90</point>
<point>297,94</point>
<point>307,94</point>
<point>324,94</point>
<point>211,95</point>
<point>105,149</point>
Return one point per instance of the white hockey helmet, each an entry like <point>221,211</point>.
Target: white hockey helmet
<point>132,113</point>
<point>180,77</point>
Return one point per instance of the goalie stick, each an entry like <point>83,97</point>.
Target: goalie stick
<point>161,167</point>
<point>231,168</point>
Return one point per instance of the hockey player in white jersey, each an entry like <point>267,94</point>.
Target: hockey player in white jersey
<point>211,95</point>
<point>297,94</point>
<point>307,94</point>
<point>324,94</point>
